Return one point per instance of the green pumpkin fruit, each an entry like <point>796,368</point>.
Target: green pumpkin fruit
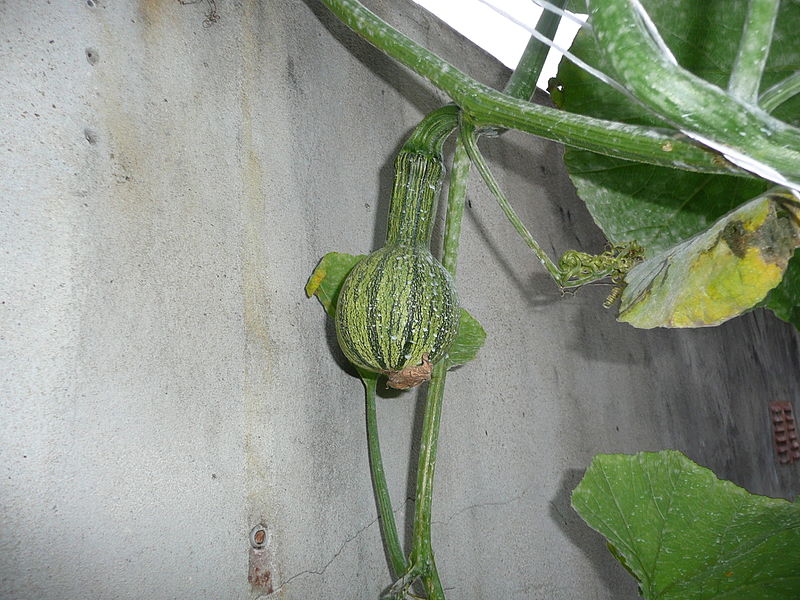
<point>397,311</point>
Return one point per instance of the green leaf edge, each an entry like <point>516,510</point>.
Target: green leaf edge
<point>601,460</point>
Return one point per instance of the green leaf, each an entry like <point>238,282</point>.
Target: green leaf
<point>686,535</point>
<point>715,275</point>
<point>327,279</point>
<point>469,340</point>
<point>656,206</point>
<point>784,300</point>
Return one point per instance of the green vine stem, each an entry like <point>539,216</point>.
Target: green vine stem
<point>427,139</point>
<point>423,149</point>
<point>522,83</point>
<point>471,146</point>
<point>422,551</point>
<point>422,560</point>
<point>780,92</point>
<point>744,133</point>
<point>421,158</point>
<point>394,550</point>
<point>490,108</point>
<point>429,135</point>
<point>456,198</point>
<point>745,79</point>
<point>574,269</point>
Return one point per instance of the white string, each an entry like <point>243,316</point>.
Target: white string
<point>562,13</point>
<point>736,157</point>
<point>567,54</point>
<point>746,162</point>
<point>653,31</point>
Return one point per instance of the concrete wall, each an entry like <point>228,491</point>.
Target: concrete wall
<point>166,188</point>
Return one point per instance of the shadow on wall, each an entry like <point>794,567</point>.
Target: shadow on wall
<point>391,73</point>
<point>608,571</point>
<point>538,288</point>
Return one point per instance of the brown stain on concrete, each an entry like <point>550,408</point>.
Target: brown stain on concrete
<point>153,11</point>
<point>254,259</point>
<point>124,135</point>
<point>254,284</point>
<point>132,151</point>
<point>260,450</point>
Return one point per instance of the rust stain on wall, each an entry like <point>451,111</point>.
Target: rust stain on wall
<point>259,352</point>
<point>254,208</point>
<point>259,574</point>
<point>153,11</point>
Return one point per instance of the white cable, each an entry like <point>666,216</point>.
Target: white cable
<point>561,12</point>
<point>653,31</point>
<point>567,54</point>
<point>736,157</point>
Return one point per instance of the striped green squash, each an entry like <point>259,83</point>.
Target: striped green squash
<point>397,311</point>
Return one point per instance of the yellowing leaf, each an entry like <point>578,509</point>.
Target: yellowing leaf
<point>717,274</point>
<point>327,279</point>
<point>315,280</point>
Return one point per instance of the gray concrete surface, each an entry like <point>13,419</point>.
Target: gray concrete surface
<point>165,190</point>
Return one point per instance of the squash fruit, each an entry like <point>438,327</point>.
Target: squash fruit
<point>397,311</point>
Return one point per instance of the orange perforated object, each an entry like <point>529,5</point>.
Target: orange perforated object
<point>784,428</point>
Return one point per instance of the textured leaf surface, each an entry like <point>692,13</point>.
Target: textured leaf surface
<point>784,300</point>
<point>686,535</point>
<point>327,279</point>
<point>469,340</point>
<point>715,275</point>
<point>656,206</point>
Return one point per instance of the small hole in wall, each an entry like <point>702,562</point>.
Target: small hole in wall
<point>259,536</point>
<point>90,3</point>
<point>92,56</point>
<point>90,136</point>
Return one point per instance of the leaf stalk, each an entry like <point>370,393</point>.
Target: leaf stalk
<point>780,92</point>
<point>748,68</point>
<point>394,550</point>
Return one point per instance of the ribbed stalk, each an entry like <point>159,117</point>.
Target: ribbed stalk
<point>522,83</point>
<point>416,185</point>
<point>780,92</point>
<point>422,551</point>
<point>468,136</point>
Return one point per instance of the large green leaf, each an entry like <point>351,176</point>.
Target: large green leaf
<point>717,274</point>
<point>686,535</point>
<point>784,300</point>
<point>326,282</point>
<point>656,206</point>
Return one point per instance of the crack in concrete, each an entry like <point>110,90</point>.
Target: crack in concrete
<point>350,539</point>
<point>516,498</point>
<point>333,558</point>
<point>338,552</point>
